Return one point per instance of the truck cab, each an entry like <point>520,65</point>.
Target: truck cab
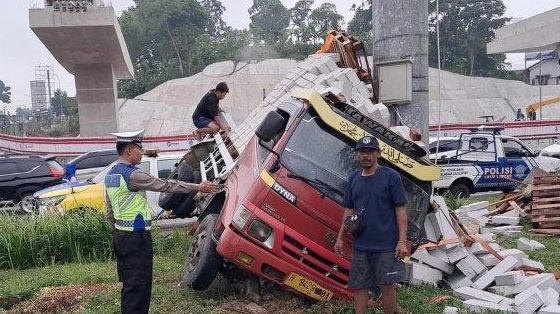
<point>488,161</point>
<point>281,210</point>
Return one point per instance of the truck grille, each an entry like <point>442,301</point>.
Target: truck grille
<point>318,263</point>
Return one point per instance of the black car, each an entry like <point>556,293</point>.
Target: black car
<point>21,176</point>
<point>92,162</point>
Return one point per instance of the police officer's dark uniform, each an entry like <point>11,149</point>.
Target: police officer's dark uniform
<point>130,215</point>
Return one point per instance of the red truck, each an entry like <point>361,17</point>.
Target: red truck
<point>280,211</point>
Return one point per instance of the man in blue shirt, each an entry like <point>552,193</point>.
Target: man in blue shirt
<point>378,194</point>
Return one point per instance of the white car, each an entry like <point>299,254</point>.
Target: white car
<point>551,151</point>
<point>448,147</point>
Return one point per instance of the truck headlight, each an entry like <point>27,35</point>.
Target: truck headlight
<point>262,232</point>
<point>241,216</point>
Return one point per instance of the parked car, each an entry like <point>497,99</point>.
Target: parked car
<point>21,176</point>
<point>91,163</point>
<point>448,147</point>
<point>552,151</point>
<point>89,193</point>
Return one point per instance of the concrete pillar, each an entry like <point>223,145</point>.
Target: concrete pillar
<point>400,31</point>
<point>96,92</point>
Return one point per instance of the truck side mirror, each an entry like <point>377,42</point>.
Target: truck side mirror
<point>271,125</point>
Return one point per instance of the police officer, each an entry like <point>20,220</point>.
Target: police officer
<point>128,213</point>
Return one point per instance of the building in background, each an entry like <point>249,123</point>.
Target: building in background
<point>39,95</point>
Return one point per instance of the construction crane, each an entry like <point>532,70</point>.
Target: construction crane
<point>531,109</point>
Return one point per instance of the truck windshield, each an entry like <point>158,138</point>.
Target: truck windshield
<point>315,152</point>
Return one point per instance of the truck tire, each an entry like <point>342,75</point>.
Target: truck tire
<point>460,189</point>
<point>169,201</point>
<point>202,261</point>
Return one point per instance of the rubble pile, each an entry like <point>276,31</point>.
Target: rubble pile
<point>462,253</point>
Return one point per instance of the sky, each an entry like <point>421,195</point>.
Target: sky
<point>21,50</point>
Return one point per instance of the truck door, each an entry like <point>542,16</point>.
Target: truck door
<point>517,158</point>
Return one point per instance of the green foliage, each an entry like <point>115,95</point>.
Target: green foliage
<point>5,93</point>
<point>80,236</point>
<point>361,24</point>
<point>465,29</point>
<point>453,201</point>
<point>323,19</point>
<point>269,21</point>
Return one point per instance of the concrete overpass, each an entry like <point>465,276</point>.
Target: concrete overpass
<point>88,43</point>
<point>537,33</point>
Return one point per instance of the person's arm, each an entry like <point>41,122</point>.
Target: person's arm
<point>348,205</point>
<point>142,181</point>
<point>398,197</point>
<point>402,223</point>
<point>109,212</point>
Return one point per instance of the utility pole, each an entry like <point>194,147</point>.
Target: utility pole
<point>400,31</point>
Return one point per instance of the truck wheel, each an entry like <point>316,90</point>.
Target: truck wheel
<point>460,189</point>
<point>184,172</point>
<point>202,262</point>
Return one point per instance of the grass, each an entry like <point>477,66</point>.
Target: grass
<point>35,241</point>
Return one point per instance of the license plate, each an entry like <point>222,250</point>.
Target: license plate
<point>308,287</point>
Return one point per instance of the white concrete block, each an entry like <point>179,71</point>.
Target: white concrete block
<point>468,293</point>
<point>491,260</point>
<point>422,274</point>
<point>423,256</point>
<point>459,280</point>
<point>537,245</point>
<point>443,219</point>
<point>476,249</point>
<point>531,263</point>
<point>511,213</point>
<point>541,281</point>
<point>471,266</point>
<point>510,278</point>
<point>310,77</point>
<point>450,310</point>
<point>524,244</point>
<point>439,253</point>
<point>488,259</point>
<point>550,310</point>
<point>511,231</point>
<point>466,269</point>
<point>505,220</point>
<point>474,206</point>
<point>529,301</point>
<point>456,254</point>
<point>550,297</point>
<point>478,306</point>
<point>431,228</point>
<point>487,278</point>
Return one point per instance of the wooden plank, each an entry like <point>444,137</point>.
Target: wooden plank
<point>546,180</point>
<point>549,219</point>
<point>548,225</point>
<point>545,206</point>
<point>546,211</point>
<point>507,199</point>
<point>540,200</point>
<point>546,187</point>
<point>543,194</point>
<point>546,231</point>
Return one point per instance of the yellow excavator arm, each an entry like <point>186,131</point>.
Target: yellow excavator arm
<point>531,109</point>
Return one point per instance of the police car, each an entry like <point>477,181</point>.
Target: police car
<point>485,160</point>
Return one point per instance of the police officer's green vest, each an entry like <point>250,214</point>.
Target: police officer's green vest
<point>130,209</point>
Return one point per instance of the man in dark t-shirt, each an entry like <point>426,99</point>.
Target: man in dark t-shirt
<point>377,193</point>
<point>206,115</point>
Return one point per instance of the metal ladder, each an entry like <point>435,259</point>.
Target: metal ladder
<point>219,162</point>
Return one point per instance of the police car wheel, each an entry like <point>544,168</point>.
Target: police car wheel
<point>171,201</point>
<point>202,262</point>
<point>460,189</point>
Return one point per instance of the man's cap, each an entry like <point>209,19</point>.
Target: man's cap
<point>367,142</point>
<point>133,137</point>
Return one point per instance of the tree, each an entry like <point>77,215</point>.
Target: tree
<point>323,19</point>
<point>216,25</point>
<point>5,93</point>
<point>160,35</point>
<point>300,17</point>
<point>57,102</point>
<point>361,24</point>
<point>269,21</point>
<point>466,26</point>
